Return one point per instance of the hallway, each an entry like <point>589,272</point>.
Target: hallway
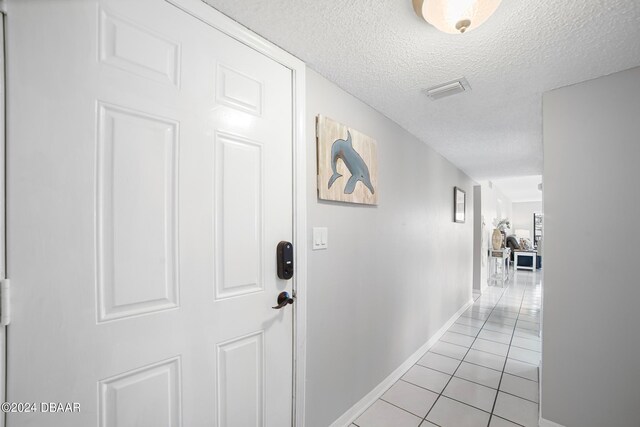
<point>482,372</point>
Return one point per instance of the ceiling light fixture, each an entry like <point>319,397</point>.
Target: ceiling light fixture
<point>455,16</point>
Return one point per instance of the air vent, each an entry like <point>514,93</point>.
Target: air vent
<point>448,89</point>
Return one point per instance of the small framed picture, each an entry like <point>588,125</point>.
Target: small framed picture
<point>459,204</point>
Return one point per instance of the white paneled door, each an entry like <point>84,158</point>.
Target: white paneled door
<point>149,183</point>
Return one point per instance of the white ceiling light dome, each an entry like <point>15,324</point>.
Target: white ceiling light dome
<point>455,16</point>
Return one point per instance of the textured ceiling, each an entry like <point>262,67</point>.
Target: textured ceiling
<point>521,188</point>
<point>382,53</point>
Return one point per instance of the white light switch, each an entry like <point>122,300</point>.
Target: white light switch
<point>320,238</point>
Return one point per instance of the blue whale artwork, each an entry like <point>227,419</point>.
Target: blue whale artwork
<point>343,149</point>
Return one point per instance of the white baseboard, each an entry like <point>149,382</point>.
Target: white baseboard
<point>356,410</point>
<point>546,423</point>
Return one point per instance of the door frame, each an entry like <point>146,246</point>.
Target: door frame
<point>3,229</point>
<point>206,13</point>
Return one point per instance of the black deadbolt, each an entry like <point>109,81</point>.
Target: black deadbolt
<point>285,260</point>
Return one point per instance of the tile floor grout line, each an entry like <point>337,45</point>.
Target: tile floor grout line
<point>460,401</point>
<point>524,292</point>
<point>481,351</point>
<point>523,361</point>
<point>509,421</point>
<point>462,378</point>
<point>518,376</point>
<point>417,385</point>
<point>448,397</point>
<point>461,345</point>
<point>440,354</point>
<point>529,339</point>
<point>452,398</point>
<point>519,397</point>
<point>399,407</point>
<point>475,382</point>
<point>433,369</point>
<point>471,363</point>
<point>456,370</point>
<point>525,348</point>
<point>484,351</point>
<point>465,335</point>
<point>497,332</point>
<point>482,366</point>
<point>458,333</point>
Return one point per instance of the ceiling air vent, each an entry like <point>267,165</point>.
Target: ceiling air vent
<point>448,89</point>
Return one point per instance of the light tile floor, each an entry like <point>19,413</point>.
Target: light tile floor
<point>483,372</point>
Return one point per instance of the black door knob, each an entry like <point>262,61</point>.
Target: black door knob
<point>283,300</point>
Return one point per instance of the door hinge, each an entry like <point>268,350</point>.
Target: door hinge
<point>5,302</point>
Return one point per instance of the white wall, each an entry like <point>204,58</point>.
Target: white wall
<point>479,242</point>
<point>494,204</point>
<point>591,323</point>
<point>393,274</point>
<point>522,216</point>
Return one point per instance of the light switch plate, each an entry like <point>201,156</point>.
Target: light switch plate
<point>320,238</point>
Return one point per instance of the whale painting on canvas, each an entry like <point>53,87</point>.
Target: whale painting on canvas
<point>342,149</point>
<point>347,164</point>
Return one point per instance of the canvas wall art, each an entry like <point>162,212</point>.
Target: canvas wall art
<point>347,164</point>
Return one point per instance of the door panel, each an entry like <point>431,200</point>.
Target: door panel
<point>145,209</point>
<point>146,396</point>
<point>136,207</point>
<point>241,388</point>
<point>239,184</point>
<point>238,91</point>
<point>138,50</point>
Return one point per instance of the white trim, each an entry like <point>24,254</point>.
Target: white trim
<point>300,245</point>
<point>216,19</point>
<point>546,423</point>
<point>356,410</point>
<point>211,16</point>
<point>3,201</point>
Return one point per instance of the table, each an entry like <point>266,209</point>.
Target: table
<point>530,254</point>
<point>500,261</point>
